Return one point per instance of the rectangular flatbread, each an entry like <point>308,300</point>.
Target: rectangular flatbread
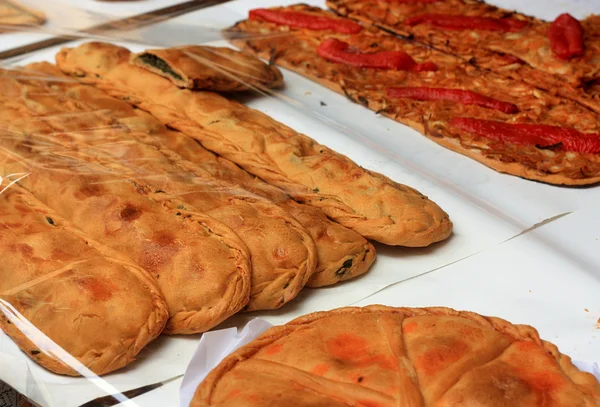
<point>521,52</point>
<point>489,97</point>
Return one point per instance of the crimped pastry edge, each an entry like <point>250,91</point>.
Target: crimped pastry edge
<point>584,381</point>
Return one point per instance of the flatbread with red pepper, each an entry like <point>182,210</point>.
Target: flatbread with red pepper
<point>429,91</point>
<point>398,357</point>
<point>509,43</point>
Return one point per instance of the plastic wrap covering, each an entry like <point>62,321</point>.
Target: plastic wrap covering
<point>162,177</point>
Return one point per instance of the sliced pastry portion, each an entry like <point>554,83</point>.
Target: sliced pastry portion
<point>217,69</point>
<point>309,172</point>
<point>506,124</point>
<point>59,290</point>
<point>282,253</point>
<point>342,254</point>
<point>398,357</point>
<point>561,57</point>
<point>200,264</point>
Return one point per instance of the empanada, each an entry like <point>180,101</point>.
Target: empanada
<point>398,357</point>
<point>217,69</point>
<point>282,254</point>
<point>91,301</point>
<point>201,266</point>
<point>366,202</point>
<point>342,254</point>
<point>12,13</point>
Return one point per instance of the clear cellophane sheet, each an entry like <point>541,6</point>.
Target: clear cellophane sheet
<point>521,250</point>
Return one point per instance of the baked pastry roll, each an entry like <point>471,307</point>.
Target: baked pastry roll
<point>366,202</point>
<point>13,13</point>
<point>91,301</point>
<point>217,69</point>
<point>342,254</point>
<point>282,254</point>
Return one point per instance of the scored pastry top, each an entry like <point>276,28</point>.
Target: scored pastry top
<point>383,356</point>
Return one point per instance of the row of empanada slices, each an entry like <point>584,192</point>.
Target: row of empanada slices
<point>122,178</point>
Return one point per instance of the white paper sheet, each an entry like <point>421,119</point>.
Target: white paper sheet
<point>530,280</point>
<point>212,349</point>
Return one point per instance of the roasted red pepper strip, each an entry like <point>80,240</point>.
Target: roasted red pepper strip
<point>340,52</point>
<point>466,97</point>
<point>412,1</point>
<point>455,22</point>
<point>539,135</point>
<point>566,37</point>
<point>512,59</point>
<point>296,19</point>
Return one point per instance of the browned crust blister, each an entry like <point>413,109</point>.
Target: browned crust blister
<point>411,378</point>
<point>309,172</point>
<point>55,266</point>
<point>297,51</point>
<point>216,69</point>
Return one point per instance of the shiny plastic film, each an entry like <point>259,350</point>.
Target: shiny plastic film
<point>181,168</point>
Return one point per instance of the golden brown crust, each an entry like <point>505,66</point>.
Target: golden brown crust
<point>71,288</point>
<point>217,69</point>
<point>283,255</point>
<point>309,172</point>
<point>297,51</point>
<point>204,265</point>
<point>342,253</point>
<point>388,356</point>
